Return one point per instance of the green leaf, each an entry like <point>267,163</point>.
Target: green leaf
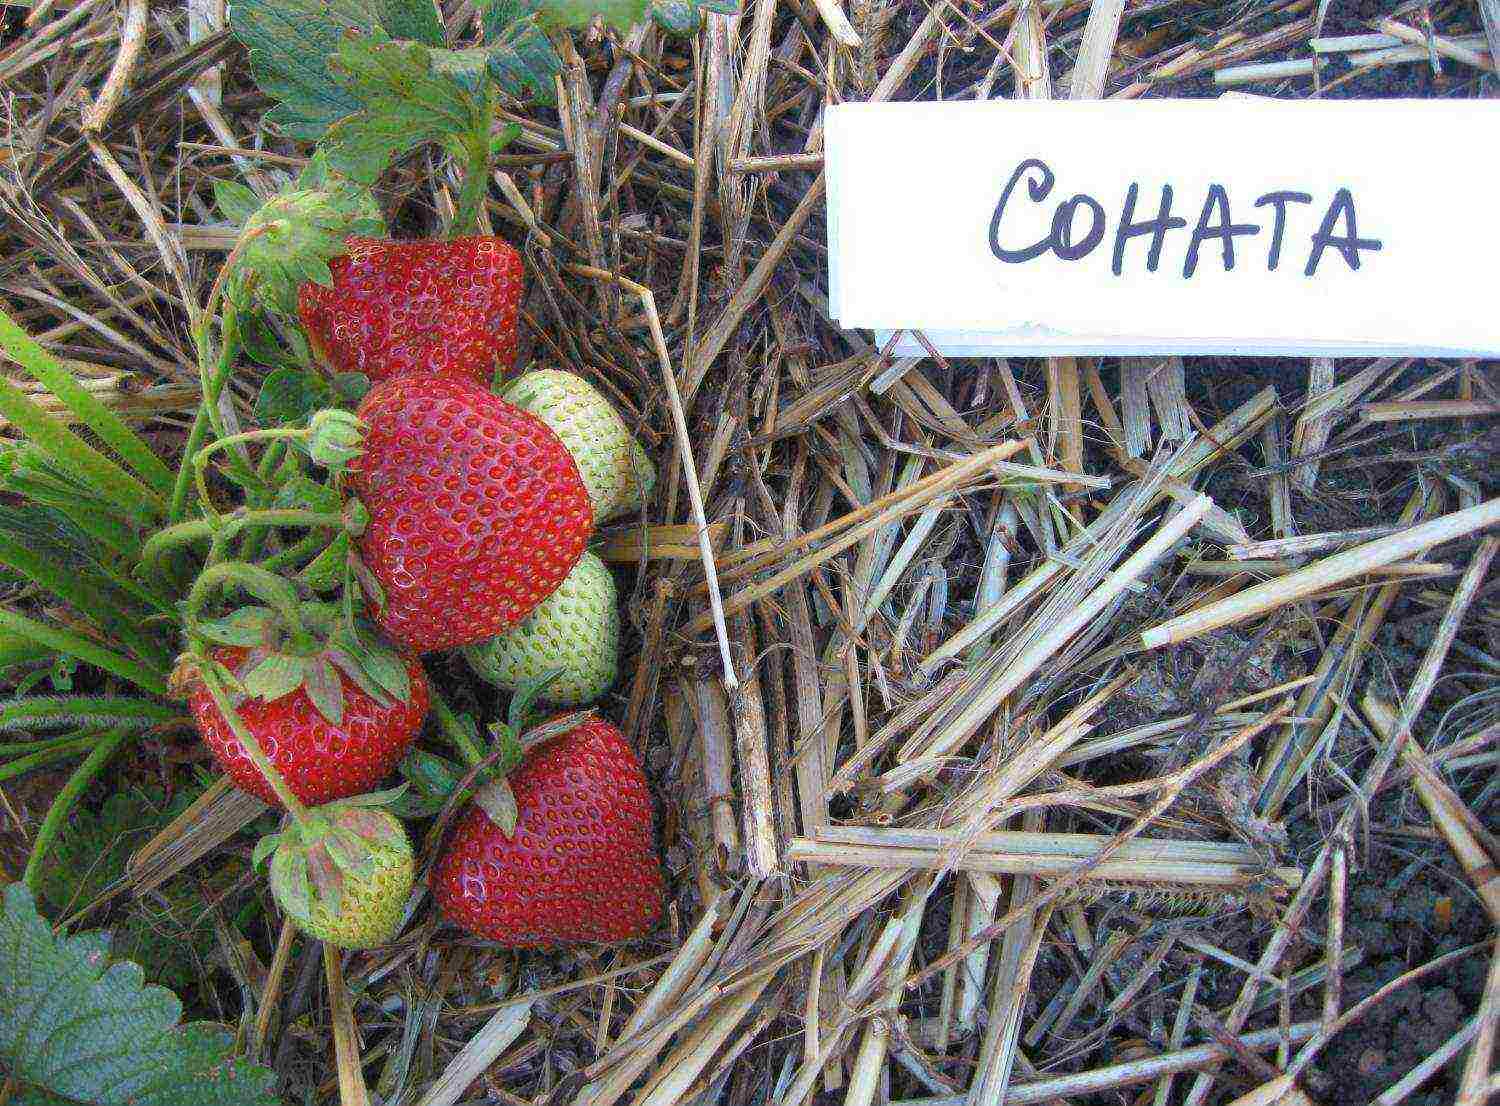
<point>619,14</point>
<point>263,849</point>
<point>149,678</point>
<point>414,19</point>
<point>350,388</point>
<point>325,689</point>
<point>498,801</point>
<point>412,94</point>
<point>512,752</point>
<point>44,712</point>
<point>276,676</point>
<point>290,42</point>
<point>289,396</point>
<point>236,201</point>
<point>58,379</point>
<point>384,665</point>
<point>326,571</point>
<point>521,58</point>
<point>261,343</point>
<point>75,1026</point>
<point>52,436</point>
<point>248,626</point>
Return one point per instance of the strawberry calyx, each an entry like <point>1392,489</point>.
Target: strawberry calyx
<point>280,659</point>
<point>317,860</point>
<point>335,437</point>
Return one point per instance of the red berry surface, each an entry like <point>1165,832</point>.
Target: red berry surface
<point>320,761</point>
<point>432,306</point>
<point>477,510</point>
<point>581,865</point>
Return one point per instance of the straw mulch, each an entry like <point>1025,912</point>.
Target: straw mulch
<point>995,761</point>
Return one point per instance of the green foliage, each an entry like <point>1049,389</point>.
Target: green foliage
<point>78,1027</point>
<point>170,933</point>
<point>290,42</point>
<point>412,94</point>
<point>42,712</point>
<point>290,238</point>
<point>289,396</point>
<point>684,17</point>
<point>100,473</point>
<point>90,854</point>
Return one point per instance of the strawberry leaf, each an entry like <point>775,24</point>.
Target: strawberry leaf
<point>274,677</point>
<point>290,396</point>
<point>324,688</point>
<point>521,58</point>
<point>326,571</point>
<point>412,94</point>
<point>264,848</point>
<point>498,801</point>
<point>414,19</point>
<point>245,627</point>
<point>290,42</point>
<point>79,1027</point>
<point>237,202</point>
<point>512,752</point>
<point>307,494</point>
<point>384,666</point>
<point>348,663</point>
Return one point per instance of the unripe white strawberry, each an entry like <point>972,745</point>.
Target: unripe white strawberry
<point>575,632</point>
<point>344,874</point>
<point>615,469</point>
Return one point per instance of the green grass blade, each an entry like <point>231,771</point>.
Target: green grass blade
<point>82,776</point>
<point>57,379</point>
<point>52,436</point>
<point>55,751</point>
<point>89,594</point>
<point>17,649</point>
<point>96,711</point>
<point>75,645</point>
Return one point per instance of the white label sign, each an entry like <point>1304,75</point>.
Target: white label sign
<point>1154,226</point>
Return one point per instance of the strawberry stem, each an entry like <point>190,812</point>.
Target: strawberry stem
<point>154,552</point>
<point>213,385</point>
<point>252,747</point>
<point>453,729</point>
<point>272,589</point>
<point>476,173</point>
<point>200,458</point>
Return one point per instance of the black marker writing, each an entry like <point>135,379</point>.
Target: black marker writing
<point>1157,228</point>
<point>1080,223</point>
<point>1349,245</point>
<point>1280,200</point>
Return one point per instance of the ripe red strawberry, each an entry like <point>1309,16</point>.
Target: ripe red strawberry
<point>320,758</point>
<point>446,307</point>
<point>580,865</point>
<point>477,510</point>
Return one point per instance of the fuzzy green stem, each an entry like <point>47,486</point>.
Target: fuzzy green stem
<point>453,729</point>
<point>252,747</point>
<point>207,417</point>
<point>185,533</point>
<point>266,586</point>
<point>294,555</point>
<point>200,458</point>
<point>62,806</point>
<point>476,146</point>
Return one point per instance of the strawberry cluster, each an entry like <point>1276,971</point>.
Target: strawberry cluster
<point>468,516</point>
